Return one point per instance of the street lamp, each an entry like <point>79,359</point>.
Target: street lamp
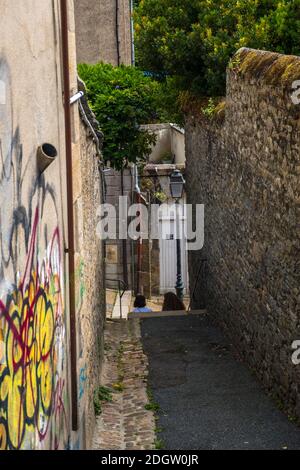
<point>177,183</point>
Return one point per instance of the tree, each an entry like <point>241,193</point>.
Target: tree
<point>193,40</point>
<point>122,99</point>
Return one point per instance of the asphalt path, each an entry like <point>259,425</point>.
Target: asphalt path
<point>208,399</point>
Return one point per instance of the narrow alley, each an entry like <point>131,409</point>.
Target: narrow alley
<point>178,384</point>
<point>149,227</point>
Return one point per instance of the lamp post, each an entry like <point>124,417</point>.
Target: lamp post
<point>176,187</point>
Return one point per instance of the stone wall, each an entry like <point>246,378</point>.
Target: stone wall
<point>89,269</point>
<point>243,163</point>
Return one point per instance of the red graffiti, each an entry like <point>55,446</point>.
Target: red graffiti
<point>32,380</point>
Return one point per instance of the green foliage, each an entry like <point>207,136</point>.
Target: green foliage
<point>193,41</point>
<point>122,98</point>
<point>168,105</point>
<point>152,407</point>
<point>210,109</point>
<point>159,444</point>
<point>101,395</point>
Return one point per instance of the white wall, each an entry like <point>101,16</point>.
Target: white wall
<point>170,142</point>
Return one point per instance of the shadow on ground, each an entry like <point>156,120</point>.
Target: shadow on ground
<point>209,400</point>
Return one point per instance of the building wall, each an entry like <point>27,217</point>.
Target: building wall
<point>245,167</point>
<point>162,149</point>
<point>35,399</point>
<point>96,28</point>
<point>178,144</point>
<point>115,260</point>
<point>155,187</point>
<point>170,143</point>
<point>32,289</point>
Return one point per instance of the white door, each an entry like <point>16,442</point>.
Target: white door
<point>168,248</point>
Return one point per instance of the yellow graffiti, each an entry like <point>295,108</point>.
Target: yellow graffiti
<point>31,381</point>
<point>2,437</point>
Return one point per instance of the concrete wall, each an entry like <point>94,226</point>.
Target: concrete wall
<point>96,28</point>
<point>162,150</point>
<point>178,144</point>
<point>170,143</point>
<point>35,400</point>
<point>32,288</point>
<point>245,167</point>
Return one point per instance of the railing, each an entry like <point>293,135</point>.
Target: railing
<point>122,288</point>
<point>201,268</point>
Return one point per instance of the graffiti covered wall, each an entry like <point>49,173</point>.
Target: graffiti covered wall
<point>32,381</point>
<point>34,362</point>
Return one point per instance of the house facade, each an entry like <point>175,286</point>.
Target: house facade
<point>104,31</point>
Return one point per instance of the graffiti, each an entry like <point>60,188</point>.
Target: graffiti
<point>31,383</point>
<point>33,361</point>
<point>82,381</point>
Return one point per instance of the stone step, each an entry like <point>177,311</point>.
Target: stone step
<point>177,313</point>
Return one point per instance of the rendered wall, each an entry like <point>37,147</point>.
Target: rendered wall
<point>96,31</point>
<point>35,379</point>
<point>34,394</point>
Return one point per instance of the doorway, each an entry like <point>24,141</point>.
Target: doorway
<point>168,252</point>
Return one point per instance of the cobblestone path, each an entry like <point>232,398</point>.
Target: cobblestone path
<point>124,422</point>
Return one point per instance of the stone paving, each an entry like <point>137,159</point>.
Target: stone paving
<point>124,422</point>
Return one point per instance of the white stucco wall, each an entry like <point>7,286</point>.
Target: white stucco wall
<point>178,144</point>
<point>170,143</point>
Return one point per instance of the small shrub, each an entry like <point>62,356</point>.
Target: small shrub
<point>101,395</point>
<point>210,109</point>
<point>159,444</point>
